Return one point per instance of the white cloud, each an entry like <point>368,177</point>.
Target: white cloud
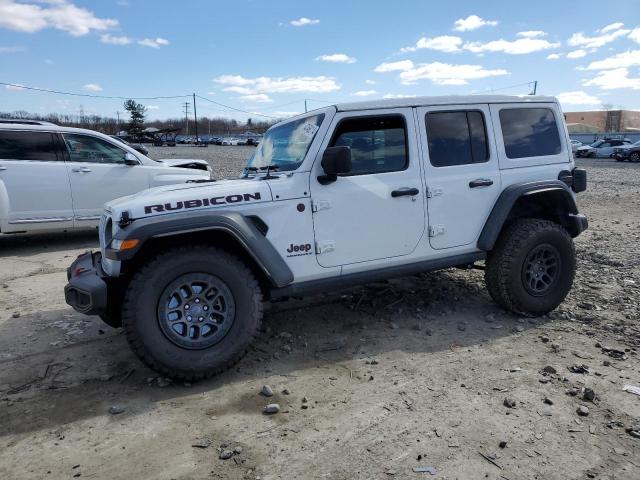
<point>553,56</point>
<point>443,43</point>
<point>58,14</point>
<point>472,22</point>
<point>398,95</point>
<point>394,66</point>
<point>114,40</point>
<point>14,87</point>
<point>614,79</point>
<point>447,74</point>
<point>370,82</point>
<point>611,27</point>
<point>630,58</point>
<point>251,86</point>
<point>92,87</point>
<point>364,93</point>
<point>531,34</point>
<point>635,35</point>
<point>281,114</point>
<point>515,47</point>
<point>578,97</point>
<point>336,58</point>
<point>607,35</point>
<point>11,49</point>
<point>302,21</point>
<point>577,53</point>
<point>153,107</point>
<point>256,97</point>
<point>153,42</point>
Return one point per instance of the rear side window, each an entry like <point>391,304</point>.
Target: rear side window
<point>378,144</point>
<point>456,138</point>
<point>529,132</point>
<point>28,146</point>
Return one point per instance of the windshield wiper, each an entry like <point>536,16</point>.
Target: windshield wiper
<point>268,169</point>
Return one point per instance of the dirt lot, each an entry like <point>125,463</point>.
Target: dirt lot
<point>410,373</point>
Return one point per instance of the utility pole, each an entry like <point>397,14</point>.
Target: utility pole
<point>195,117</point>
<point>118,115</point>
<point>305,105</point>
<point>535,87</point>
<point>185,105</point>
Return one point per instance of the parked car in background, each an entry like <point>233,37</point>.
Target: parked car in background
<point>575,144</point>
<point>253,141</point>
<point>627,152</point>
<point>59,178</point>
<point>136,146</point>
<point>601,148</point>
<point>230,141</point>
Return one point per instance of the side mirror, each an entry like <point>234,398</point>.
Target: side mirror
<point>335,160</point>
<point>131,159</point>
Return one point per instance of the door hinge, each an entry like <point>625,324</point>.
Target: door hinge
<point>325,246</point>
<point>434,191</point>
<point>317,205</point>
<point>435,230</point>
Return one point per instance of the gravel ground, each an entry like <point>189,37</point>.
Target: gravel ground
<point>422,371</point>
<point>227,161</point>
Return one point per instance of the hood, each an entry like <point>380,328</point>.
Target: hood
<point>191,196</point>
<point>585,147</point>
<point>177,162</point>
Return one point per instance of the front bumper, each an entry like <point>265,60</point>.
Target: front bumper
<point>87,289</point>
<point>578,224</point>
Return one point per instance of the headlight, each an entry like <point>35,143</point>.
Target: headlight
<point>124,244</point>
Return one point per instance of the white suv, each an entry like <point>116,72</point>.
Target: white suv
<point>348,194</point>
<point>57,178</point>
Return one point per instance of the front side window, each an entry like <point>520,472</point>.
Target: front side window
<point>285,146</point>
<point>85,148</point>
<point>378,144</point>
<point>529,132</point>
<point>456,138</point>
<point>28,146</point>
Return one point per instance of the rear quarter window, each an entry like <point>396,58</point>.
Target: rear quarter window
<point>529,132</point>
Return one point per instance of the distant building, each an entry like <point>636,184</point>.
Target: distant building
<point>603,121</point>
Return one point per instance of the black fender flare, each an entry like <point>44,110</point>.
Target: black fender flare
<point>572,220</point>
<point>241,228</point>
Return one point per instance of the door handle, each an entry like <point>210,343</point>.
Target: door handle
<point>480,182</point>
<point>2,167</point>
<point>82,170</point>
<point>405,192</point>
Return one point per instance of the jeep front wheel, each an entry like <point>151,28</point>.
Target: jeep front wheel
<point>192,312</point>
<point>532,266</point>
<point>634,157</point>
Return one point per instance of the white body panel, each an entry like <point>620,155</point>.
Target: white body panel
<point>34,195</point>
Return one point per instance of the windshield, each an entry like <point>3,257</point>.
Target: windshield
<point>285,146</point>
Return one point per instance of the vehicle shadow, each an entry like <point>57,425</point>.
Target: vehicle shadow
<point>22,245</point>
<point>83,376</point>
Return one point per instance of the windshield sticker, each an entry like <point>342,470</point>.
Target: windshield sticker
<point>309,129</point>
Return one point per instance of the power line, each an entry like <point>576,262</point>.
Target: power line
<point>234,108</point>
<point>90,95</point>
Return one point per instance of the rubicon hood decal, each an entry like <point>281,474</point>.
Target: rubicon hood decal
<point>201,202</point>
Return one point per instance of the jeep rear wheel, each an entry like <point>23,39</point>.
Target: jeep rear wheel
<point>192,312</point>
<point>531,268</point>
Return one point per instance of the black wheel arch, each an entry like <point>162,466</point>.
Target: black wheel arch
<point>239,234</point>
<point>548,200</point>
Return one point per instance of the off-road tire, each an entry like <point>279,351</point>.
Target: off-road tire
<point>634,157</point>
<point>505,264</point>
<point>141,323</point>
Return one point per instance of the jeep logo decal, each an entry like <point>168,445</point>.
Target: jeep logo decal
<point>204,202</point>
<point>299,250</point>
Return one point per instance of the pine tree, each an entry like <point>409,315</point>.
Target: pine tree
<point>135,127</point>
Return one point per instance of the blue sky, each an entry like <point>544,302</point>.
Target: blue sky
<point>268,56</point>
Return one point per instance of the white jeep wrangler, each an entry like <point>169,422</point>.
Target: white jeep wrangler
<point>344,195</point>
